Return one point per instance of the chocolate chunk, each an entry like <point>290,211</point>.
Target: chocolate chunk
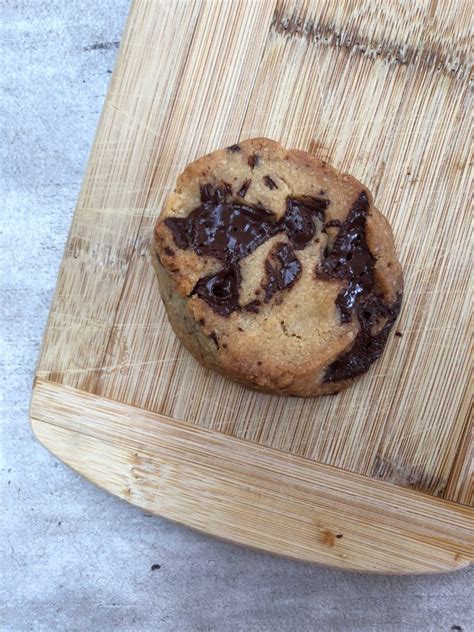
<point>350,259</point>
<point>207,192</point>
<point>213,336</point>
<point>253,161</point>
<point>283,270</point>
<point>299,219</point>
<point>220,290</point>
<point>333,223</point>
<point>178,228</point>
<point>242,192</point>
<point>271,184</point>
<point>234,148</point>
<point>253,306</point>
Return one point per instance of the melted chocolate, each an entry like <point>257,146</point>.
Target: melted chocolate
<point>221,290</point>
<point>350,259</point>
<point>230,230</point>
<point>227,231</point>
<point>299,219</point>
<point>283,270</point>
<point>365,350</point>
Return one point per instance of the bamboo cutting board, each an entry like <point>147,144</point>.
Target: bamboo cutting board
<point>376,478</point>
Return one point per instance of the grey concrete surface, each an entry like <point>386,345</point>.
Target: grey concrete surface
<point>72,557</point>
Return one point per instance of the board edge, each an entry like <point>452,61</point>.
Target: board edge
<point>58,430</point>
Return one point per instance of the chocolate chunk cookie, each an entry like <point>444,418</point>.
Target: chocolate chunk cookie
<point>276,270</point>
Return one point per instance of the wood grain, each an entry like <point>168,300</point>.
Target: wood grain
<point>248,493</point>
<point>379,89</point>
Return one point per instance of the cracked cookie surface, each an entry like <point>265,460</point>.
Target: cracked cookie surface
<point>276,270</point>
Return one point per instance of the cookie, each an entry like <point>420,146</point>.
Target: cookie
<point>276,270</point>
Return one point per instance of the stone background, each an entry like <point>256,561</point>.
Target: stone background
<point>72,557</point>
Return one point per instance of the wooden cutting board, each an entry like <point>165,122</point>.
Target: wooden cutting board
<point>376,478</point>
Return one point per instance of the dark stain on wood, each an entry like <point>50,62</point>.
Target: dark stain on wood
<point>328,537</point>
<point>407,475</point>
<point>299,24</point>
